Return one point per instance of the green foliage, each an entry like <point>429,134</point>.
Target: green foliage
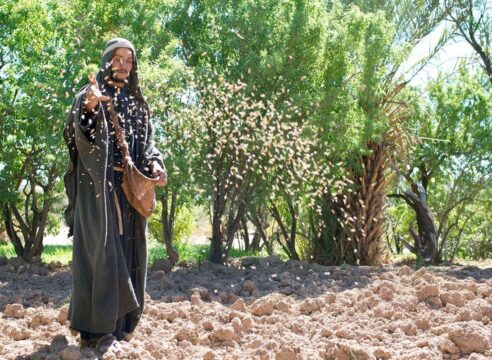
<point>183,227</point>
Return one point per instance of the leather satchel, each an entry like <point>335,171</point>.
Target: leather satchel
<point>138,188</point>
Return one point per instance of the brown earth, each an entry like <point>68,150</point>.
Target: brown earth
<point>266,309</point>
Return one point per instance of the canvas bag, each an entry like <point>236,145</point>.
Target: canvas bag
<point>138,188</point>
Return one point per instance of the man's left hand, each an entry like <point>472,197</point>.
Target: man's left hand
<point>160,173</point>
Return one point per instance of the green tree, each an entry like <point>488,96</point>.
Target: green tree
<point>448,173</point>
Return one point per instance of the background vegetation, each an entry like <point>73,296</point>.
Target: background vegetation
<point>292,124</point>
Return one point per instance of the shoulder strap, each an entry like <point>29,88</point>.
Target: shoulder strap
<point>120,135</point>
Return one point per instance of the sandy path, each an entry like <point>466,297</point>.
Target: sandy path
<point>269,309</point>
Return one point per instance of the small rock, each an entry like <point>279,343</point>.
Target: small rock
<point>325,332</point>
<point>209,355</point>
<point>63,315</point>
<point>249,286</point>
<point>70,353</point>
<point>382,353</point>
<point>196,299</point>
<point>200,290</point>
<point>207,325</point>
<point>247,323</point>
<point>58,343</point>
<point>330,298</point>
<point>231,297</point>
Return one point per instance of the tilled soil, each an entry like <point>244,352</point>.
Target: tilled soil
<point>266,309</point>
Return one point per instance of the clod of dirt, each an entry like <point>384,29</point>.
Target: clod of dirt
<point>224,333</point>
<point>309,306</point>
<point>345,351</point>
<point>203,292</point>
<point>386,290</point>
<point>17,332</point>
<point>58,344</point>
<point>262,307</point>
<point>427,291</point>
<point>452,297</point>
<point>286,353</point>
<point>249,286</point>
<point>70,353</point>
<point>239,305</point>
<point>63,315</point>
<point>331,313</point>
<point>470,337</point>
<point>14,310</point>
<point>196,299</point>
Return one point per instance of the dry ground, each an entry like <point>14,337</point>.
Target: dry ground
<point>266,309</point>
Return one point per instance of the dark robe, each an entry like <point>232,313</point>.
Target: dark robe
<point>109,269</point>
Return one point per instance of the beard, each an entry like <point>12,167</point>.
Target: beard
<point>116,79</point>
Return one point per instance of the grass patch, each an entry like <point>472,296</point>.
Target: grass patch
<point>7,250</point>
<point>51,253</point>
<point>61,253</point>
<point>193,253</point>
<point>187,252</point>
<point>408,259</point>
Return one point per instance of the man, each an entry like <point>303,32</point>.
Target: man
<point>109,237</point>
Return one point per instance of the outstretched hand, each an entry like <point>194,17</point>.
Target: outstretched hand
<point>93,94</point>
<point>159,173</point>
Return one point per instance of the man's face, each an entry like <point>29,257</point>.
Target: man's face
<point>122,64</point>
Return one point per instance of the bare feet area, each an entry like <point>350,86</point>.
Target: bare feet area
<point>265,309</point>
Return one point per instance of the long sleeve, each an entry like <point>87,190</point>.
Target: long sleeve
<point>88,120</point>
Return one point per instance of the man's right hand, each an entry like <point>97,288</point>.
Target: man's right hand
<point>93,94</point>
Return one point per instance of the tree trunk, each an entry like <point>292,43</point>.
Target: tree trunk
<point>366,206</point>
<point>258,219</point>
<point>12,234</point>
<point>247,243</point>
<point>425,240</point>
<point>288,236</point>
<point>217,236</point>
<point>168,216</point>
